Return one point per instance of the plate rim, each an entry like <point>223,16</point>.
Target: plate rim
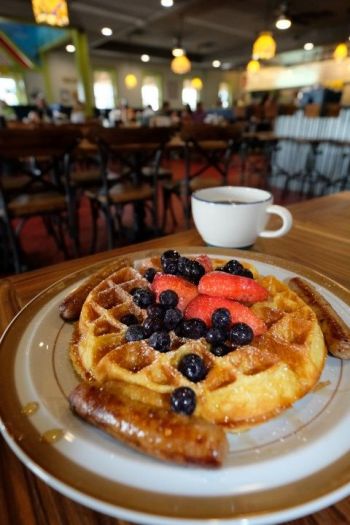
<point>140,504</point>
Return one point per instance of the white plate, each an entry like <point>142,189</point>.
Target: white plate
<point>291,466</point>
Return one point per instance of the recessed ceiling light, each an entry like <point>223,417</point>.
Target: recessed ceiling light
<point>167,3</point>
<point>70,48</point>
<point>107,31</point>
<point>216,63</point>
<point>308,46</point>
<point>145,58</point>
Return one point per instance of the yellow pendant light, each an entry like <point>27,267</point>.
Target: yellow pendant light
<point>264,46</point>
<point>130,81</point>
<point>197,83</point>
<point>340,52</point>
<point>253,66</point>
<point>52,12</point>
<point>180,65</point>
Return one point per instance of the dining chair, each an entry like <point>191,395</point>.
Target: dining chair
<point>35,182</point>
<point>205,147</point>
<point>130,163</point>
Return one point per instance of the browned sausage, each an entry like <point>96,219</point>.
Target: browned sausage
<point>154,430</point>
<point>335,331</point>
<point>71,306</point>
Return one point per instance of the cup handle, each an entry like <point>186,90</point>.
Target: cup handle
<point>286,217</point>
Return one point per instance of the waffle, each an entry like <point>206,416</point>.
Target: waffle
<point>241,389</point>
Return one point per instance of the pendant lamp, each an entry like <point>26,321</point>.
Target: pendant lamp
<point>264,46</point>
<point>340,52</point>
<point>180,65</point>
<point>253,66</point>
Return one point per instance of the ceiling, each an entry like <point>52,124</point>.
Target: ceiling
<point>209,29</point>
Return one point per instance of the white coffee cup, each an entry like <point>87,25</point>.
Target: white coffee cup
<point>234,216</point>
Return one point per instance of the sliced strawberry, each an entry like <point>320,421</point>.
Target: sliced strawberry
<point>221,284</point>
<point>185,290</point>
<point>206,262</point>
<point>203,307</point>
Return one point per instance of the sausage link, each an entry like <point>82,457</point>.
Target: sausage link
<point>155,430</point>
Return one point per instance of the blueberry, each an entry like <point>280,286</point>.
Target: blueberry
<point>220,350</point>
<point>247,273</point>
<point>192,366</point>
<point>149,274</point>
<point>160,341</point>
<point>135,332</point>
<point>170,266</point>
<point>216,336</point>
<point>169,261</point>
<point>143,297</point>
<point>129,319</point>
<point>197,272</point>
<point>152,324</point>
<point>241,334</point>
<point>221,318</point>
<point>191,328</point>
<point>183,400</point>
<point>169,254</point>
<point>234,267</point>
<point>168,298</point>
<point>155,310</point>
<point>172,318</point>
<point>190,270</point>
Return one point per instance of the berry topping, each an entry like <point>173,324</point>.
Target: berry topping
<point>203,306</point>
<point>192,329</point>
<point>221,318</point>
<point>149,274</point>
<point>221,284</point>
<point>220,350</point>
<point>234,267</point>
<point>190,270</point>
<point>143,297</point>
<point>129,319</point>
<point>216,336</point>
<point>241,334</point>
<point>160,341</point>
<point>168,298</point>
<point>183,400</point>
<point>169,261</point>
<point>172,318</point>
<point>206,262</point>
<point>155,310</point>
<point>185,291</point>
<point>247,273</point>
<point>192,366</point>
<point>152,324</point>
<point>135,332</point>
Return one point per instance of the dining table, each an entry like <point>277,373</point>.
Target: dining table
<point>319,239</point>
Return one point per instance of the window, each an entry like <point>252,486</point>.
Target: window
<point>104,89</point>
<point>9,91</point>
<point>224,94</point>
<point>190,95</point>
<point>150,92</point>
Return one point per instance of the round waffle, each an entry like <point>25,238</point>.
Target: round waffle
<point>245,387</point>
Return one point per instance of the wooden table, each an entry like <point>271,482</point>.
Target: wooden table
<point>319,239</point>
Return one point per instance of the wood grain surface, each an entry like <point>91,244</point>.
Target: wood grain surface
<point>319,239</point>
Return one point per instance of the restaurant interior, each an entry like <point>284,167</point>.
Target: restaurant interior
<point>149,150</point>
<point>275,74</point>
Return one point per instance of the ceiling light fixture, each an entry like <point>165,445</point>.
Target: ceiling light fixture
<point>308,46</point>
<point>70,48</point>
<point>253,66</point>
<point>145,58</point>
<point>107,31</point>
<point>197,83</point>
<point>216,63</point>
<point>167,3</point>
<point>283,21</point>
<point>340,52</point>
<point>51,12</point>
<point>180,65</point>
<point>130,81</point>
<point>264,46</point>
<point>178,51</point>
